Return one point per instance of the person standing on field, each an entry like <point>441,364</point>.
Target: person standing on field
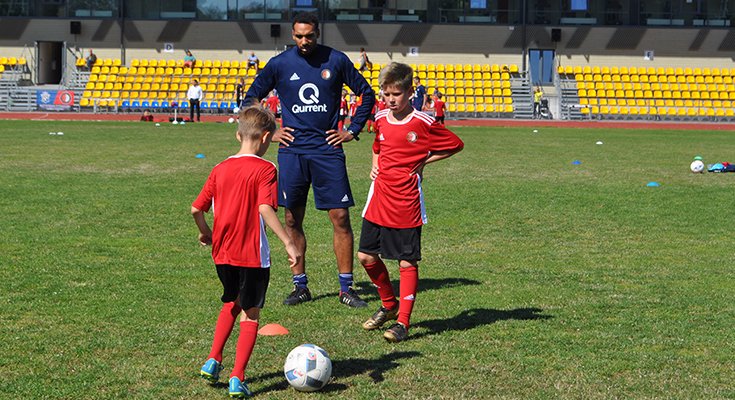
<point>309,79</point>
<point>406,140</point>
<point>244,188</point>
<point>195,95</point>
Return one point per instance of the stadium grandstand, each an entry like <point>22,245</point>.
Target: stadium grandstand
<point>593,59</point>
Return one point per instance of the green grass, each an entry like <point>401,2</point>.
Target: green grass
<point>540,279</point>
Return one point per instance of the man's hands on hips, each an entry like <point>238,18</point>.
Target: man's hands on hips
<point>283,136</point>
<point>335,137</point>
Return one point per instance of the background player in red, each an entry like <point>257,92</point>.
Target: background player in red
<point>380,103</point>
<point>343,111</point>
<point>439,108</point>
<point>371,117</point>
<point>272,103</point>
<point>406,141</point>
<point>245,189</point>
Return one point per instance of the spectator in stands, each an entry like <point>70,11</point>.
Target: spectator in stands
<point>195,95</point>
<point>419,95</point>
<point>147,116</point>
<point>537,95</point>
<point>189,59</point>
<point>253,62</point>
<point>239,91</point>
<point>91,59</point>
<point>364,61</point>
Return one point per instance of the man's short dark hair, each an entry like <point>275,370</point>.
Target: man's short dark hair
<point>306,18</point>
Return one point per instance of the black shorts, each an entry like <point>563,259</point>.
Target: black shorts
<point>390,243</point>
<point>371,117</point>
<point>342,117</point>
<point>249,284</point>
<point>440,119</point>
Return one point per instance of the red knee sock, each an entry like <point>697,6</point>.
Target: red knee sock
<point>225,322</point>
<point>379,275</point>
<point>245,344</point>
<point>340,125</point>
<point>409,284</point>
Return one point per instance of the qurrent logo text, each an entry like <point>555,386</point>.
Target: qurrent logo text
<point>309,96</point>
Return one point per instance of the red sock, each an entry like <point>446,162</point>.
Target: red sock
<point>409,284</point>
<point>340,125</point>
<point>225,322</point>
<point>245,344</point>
<point>378,274</point>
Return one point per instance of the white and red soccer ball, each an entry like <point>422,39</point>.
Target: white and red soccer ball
<point>307,368</point>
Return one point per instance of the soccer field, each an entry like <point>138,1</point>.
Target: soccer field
<point>541,279</point>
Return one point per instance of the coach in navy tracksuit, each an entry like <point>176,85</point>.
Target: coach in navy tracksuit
<point>309,79</point>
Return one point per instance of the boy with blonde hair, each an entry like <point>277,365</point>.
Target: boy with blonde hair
<point>406,140</point>
<point>244,188</point>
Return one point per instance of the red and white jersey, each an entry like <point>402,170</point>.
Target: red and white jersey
<point>395,199</point>
<point>234,190</point>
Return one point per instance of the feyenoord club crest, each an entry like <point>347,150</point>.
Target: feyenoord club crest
<point>326,74</point>
<point>411,137</point>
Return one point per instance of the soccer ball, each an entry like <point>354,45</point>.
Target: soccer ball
<point>697,166</point>
<point>236,110</point>
<point>307,368</point>
<point>231,120</point>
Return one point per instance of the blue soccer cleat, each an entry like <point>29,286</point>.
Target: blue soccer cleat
<point>210,370</point>
<point>239,389</point>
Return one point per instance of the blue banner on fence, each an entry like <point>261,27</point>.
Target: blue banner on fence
<point>55,100</point>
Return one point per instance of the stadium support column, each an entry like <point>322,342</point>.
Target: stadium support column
<point>121,19</point>
<point>523,34</point>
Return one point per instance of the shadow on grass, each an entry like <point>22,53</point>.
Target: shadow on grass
<point>473,318</point>
<point>367,291</point>
<point>344,369</point>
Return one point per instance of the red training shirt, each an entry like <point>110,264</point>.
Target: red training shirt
<point>272,104</point>
<point>235,189</point>
<point>395,199</point>
<point>439,108</point>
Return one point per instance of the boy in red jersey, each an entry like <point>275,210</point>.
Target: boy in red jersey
<point>245,189</point>
<point>439,107</point>
<point>272,103</point>
<point>406,140</point>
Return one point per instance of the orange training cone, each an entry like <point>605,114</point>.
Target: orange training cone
<point>272,330</point>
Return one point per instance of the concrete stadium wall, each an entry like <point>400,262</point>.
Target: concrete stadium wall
<point>459,44</point>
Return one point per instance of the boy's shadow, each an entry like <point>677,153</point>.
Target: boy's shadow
<point>367,290</point>
<point>342,369</point>
<point>473,318</point>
